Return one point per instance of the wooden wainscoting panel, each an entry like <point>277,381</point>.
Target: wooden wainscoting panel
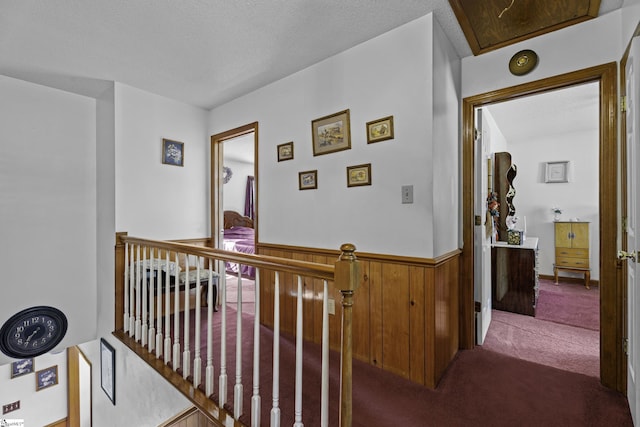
<point>417,324</point>
<point>318,289</point>
<point>267,281</point>
<point>361,318</point>
<point>395,319</point>
<point>374,271</point>
<point>429,330</point>
<point>405,312</point>
<point>288,293</point>
<point>446,315</point>
<point>308,306</point>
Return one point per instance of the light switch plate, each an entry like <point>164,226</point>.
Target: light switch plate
<point>407,194</point>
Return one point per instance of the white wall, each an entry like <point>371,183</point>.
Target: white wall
<point>630,19</point>
<point>57,178</point>
<point>233,192</point>
<point>37,408</point>
<point>388,75</point>
<point>578,198</point>
<point>594,42</point>
<point>155,200</point>
<point>143,397</point>
<point>446,122</point>
<point>132,124</point>
<point>48,204</point>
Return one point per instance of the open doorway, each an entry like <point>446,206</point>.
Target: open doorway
<point>238,201</point>
<point>234,188</point>
<point>536,317</point>
<point>234,149</point>
<point>612,370</point>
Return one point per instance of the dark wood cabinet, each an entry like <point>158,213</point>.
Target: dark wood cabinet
<point>514,277</point>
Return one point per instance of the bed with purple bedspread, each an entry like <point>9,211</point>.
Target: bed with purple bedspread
<point>239,239</point>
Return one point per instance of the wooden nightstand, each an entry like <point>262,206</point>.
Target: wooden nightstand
<point>572,249</point>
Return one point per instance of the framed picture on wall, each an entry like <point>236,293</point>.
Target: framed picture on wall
<point>557,172</point>
<point>21,367</point>
<point>380,130</point>
<point>46,377</point>
<point>108,370</point>
<point>308,180</point>
<point>172,152</point>
<point>359,175</point>
<point>285,151</point>
<point>331,133</point>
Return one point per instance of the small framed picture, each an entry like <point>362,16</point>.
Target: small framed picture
<point>21,367</point>
<point>108,369</point>
<point>331,133</point>
<point>172,152</point>
<point>46,377</point>
<point>380,130</point>
<point>308,180</point>
<point>285,151</point>
<point>557,172</point>
<point>359,175</point>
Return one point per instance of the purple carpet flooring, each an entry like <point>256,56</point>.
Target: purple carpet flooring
<point>548,343</point>
<point>569,304</point>
<point>564,333</point>
<point>480,388</point>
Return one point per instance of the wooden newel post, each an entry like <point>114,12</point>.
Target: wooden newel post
<point>119,283</point>
<point>347,277</point>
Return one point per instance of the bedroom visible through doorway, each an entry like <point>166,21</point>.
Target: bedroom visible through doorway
<point>234,197</point>
<point>612,371</point>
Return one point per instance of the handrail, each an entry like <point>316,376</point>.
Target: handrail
<point>304,268</point>
<point>344,273</point>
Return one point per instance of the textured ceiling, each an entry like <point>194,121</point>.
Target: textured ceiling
<point>201,52</point>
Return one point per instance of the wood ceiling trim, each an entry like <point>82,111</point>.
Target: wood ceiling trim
<point>522,20</point>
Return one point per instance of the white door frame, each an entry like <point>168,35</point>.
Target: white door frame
<point>631,211</point>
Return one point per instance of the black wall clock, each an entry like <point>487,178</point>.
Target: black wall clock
<point>32,332</point>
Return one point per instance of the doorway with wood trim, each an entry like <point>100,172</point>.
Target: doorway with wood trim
<point>612,370</point>
<point>246,136</point>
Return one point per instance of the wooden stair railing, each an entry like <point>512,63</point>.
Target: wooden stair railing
<point>161,284</point>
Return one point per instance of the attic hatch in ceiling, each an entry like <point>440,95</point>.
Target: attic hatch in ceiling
<point>492,24</point>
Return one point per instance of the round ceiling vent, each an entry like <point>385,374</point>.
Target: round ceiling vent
<point>523,62</point>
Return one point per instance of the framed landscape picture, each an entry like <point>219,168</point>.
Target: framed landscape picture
<point>331,133</point>
<point>359,175</point>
